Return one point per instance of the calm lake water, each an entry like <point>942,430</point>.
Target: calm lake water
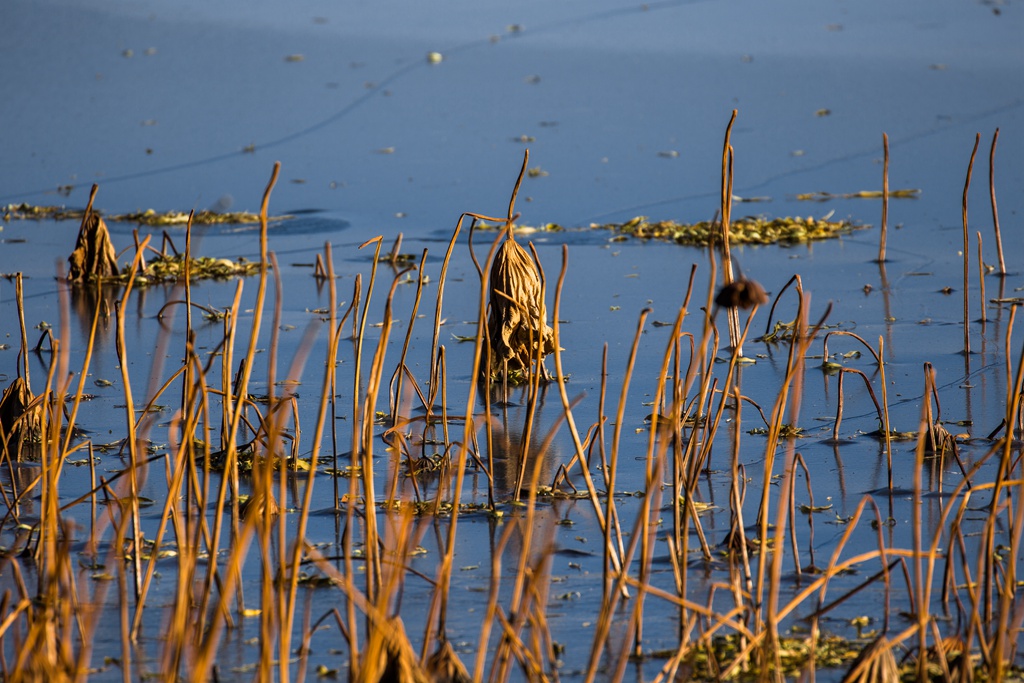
<point>623,108</point>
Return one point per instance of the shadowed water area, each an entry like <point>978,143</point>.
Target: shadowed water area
<point>394,118</point>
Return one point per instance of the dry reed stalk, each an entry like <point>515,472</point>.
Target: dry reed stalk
<point>492,609</point>
<point>999,617</point>
<point>992,198</point>
<point>793,380</point>
<point>845,333</point>
<point>530,571</point>
<point>921,591</point>
<point>444,572</point>
<point>839,409</point>
<point>613,460</point>
<point>42,654</point>
<point>875,662</point>
<point>655,463</point>
<point>608,467</point>
<point>981,282</point>
<point>725,213</point>
<point>689,457</point>
<point>189,532</point>
<point>883,232</point>
<point>622,579</point>
<point>967,186</point>
<point>442,278</point>
<point>278,597</point>
<point>886,428</point>
<point>397,546</point>
<point>759,634</point>
<point>278,603</point>
<point>133,450</point>
<point>798,282</point>
<point>242,530</point>
<point>713,422</point>
<point>358,438</point>
<point>401,368</point>
<point>373,387</point>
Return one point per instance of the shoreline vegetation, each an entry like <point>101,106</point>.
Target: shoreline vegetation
<point>951,607</point>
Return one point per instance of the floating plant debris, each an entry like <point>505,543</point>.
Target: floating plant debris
<point>748,230</point>
<point>165,268</point>
<point>863,194</point>
<point>13,212</point>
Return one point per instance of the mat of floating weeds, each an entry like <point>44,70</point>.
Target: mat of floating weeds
<point>748,230</point>
<point>170,268</point>
<point>148,217</point>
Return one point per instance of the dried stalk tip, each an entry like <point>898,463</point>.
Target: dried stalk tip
<point>94,257</point>
<point>19,424</point>
<point>741,294</point>
<point>517,322</point>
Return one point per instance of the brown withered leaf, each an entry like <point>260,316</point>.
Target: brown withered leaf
<point>517,322</point>
<point>94,256</point>
<point>19,424</point>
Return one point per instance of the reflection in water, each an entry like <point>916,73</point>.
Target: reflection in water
<point>428,447</point>
<point>887,308</point>
<point>509,423</point>
<point>17,479</point>
<point>88,299</point>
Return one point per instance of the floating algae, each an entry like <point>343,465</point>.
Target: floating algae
<point>863,194</point>
<point>748,230</point>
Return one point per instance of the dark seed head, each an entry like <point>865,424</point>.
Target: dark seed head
<point>741,294</point>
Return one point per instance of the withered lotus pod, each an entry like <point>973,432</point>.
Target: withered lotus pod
<point>517,322</point>
<point>19,424</point>
<point>94,256</point>
<point>741,294</point>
